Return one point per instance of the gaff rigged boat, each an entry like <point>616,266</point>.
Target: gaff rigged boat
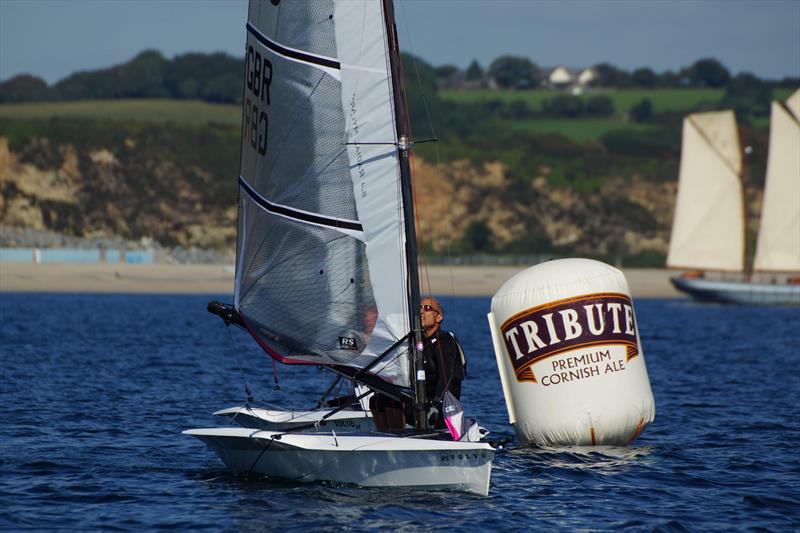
<point>326,269</point>
<point>708,232</point>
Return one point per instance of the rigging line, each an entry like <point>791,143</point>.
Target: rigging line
<point>387,363</point>
<point>272,439</point>
<point>328,391</point>
<point>416,70</point>
<point>316,424</point>
<point>716,150</point>
<point>375,361</point>
<point>239,366</point>
<point>457,312</point>
<point>407,121</point>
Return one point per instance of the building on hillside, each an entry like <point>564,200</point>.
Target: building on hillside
<point>566,79</point>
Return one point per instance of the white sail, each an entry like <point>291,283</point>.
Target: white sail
<point>708,227</point>
<point>778,245</point>
<point>320,264</point>
<point>374,168</point>
<point>793,104</point>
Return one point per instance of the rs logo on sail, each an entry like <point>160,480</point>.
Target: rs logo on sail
<point>255,122</point>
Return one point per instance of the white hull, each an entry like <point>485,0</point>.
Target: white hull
<point>276,420</point>
<point>375,460</point>
<point>739,292</point>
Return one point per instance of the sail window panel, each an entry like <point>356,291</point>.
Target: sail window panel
<point>708,229</point>
<point>301,24</point>
<point>305,164</point>
<point>778,245</point>
<point>306,288</point>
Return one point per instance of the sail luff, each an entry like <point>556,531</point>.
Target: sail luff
<point>404,145</point>
<point>778,245</point>
<point>708,226</point>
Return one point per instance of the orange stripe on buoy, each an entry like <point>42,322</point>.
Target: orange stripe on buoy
<point>594,442</point>
<point>636,432</point>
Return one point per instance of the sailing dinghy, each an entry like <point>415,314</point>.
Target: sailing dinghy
<point>708,231</point>
<point>326,269</point>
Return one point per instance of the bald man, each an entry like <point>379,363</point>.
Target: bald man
<point>445,363</point>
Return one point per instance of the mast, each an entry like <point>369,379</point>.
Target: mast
<point>748,265</point>
<point>403,147</point>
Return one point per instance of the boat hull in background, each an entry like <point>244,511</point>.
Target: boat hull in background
<point>738,292</point>
<point>373,460</point>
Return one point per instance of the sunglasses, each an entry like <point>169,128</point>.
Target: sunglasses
<point>428,307</point>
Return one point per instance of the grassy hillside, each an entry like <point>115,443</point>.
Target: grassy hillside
<point>188,112</point>
<point>579,130</point>
<point>585,129</point>
<point>624,99</point>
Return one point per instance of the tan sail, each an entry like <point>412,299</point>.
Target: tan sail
<point>793,104</point>
<point>708,228</point>
<point>778,245</point>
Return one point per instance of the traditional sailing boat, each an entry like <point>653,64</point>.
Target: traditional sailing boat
<point>326,270</point>
<point>708,232</point>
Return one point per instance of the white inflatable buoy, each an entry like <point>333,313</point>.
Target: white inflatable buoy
<point>569,355</point>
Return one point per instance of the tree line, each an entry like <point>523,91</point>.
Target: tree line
<point>516,72</point>
<point>213,77</point>
<point>217,78</point>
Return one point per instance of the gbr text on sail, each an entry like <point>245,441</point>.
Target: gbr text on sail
<point>255,120</point>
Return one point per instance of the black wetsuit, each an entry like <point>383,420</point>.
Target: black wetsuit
<point>445,368</point>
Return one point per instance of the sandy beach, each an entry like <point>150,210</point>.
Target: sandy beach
<point>218,279</point>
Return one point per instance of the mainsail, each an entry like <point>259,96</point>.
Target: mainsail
<point>778,245</point>
<point>708,228</point>
<point>321,270</point>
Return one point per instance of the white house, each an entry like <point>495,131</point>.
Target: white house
<point>574,80</point>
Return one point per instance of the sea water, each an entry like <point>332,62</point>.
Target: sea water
<point>97,388</point>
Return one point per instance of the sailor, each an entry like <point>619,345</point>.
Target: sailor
<point>445,368</point>
<point>445,363</point>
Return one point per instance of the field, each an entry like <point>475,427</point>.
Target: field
<point>197,113</point>
<point>579,130</point>
<point>624,99</point>
<point>189,112</point>
<point>585,129</point>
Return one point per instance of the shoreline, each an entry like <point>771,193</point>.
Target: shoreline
<point>442,280</point>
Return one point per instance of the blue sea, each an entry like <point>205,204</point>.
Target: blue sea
<point>96,390</point>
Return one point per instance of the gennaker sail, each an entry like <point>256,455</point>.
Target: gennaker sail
<point>322,273</point>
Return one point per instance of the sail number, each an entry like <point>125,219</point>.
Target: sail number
<point>255,122</point>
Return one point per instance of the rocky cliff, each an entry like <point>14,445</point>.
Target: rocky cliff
<point>139,188</point>
<point>127,189</point>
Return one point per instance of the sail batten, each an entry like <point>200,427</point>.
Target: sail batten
<point>293,53</point>
<point>708,227</point>
<point>300,215</point>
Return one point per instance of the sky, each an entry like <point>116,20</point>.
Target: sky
<point>54,38</point>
